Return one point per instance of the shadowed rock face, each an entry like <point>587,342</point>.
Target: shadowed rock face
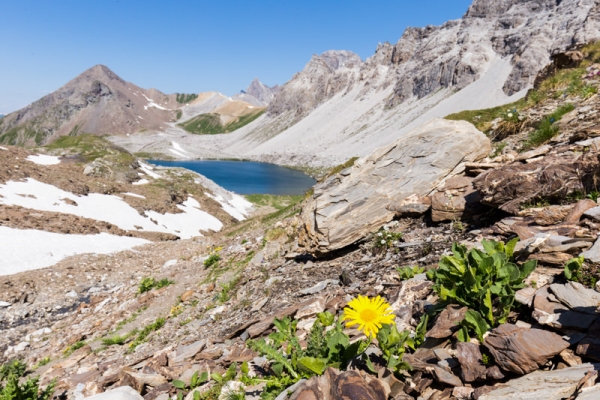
<point>351,204</point>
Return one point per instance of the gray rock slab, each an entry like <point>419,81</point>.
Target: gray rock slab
<point>577,297</point>
<point>542,385</point>
<point>189,351</point>
<point>592,393</point>
<point>593,254</point>
<point>344,209</point>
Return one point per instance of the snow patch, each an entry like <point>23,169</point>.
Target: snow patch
<point>148,170</point>
<point>141,182</point>
<point>43,159</point>
<point>151,103</point>
<point>26,249</point>
<point>40,196</point>
<point>134,195</point>
<point>178,153</point>
<point>3,148</point>
<point>178,147</point>
<point>238,207</point>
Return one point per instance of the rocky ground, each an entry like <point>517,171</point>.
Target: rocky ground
<point>150,318</point>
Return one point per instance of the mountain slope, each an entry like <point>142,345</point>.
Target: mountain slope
<point>340,106</point>
<point>97,101</point>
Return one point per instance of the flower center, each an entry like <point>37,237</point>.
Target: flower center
<point>368,315</point>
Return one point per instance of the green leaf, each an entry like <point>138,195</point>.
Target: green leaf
<point>277,369</point>
<point>527,268</point>
<point>476,322</point>
<point>178,384</point>
<point>487,307</point>
<point>326,318</point>
<point>314,365</point>
<point>369,364</point>
<point>463,334</point>
<point>509,248</point>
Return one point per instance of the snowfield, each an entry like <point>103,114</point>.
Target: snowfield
<point>26,249</point>
<point>43,159</point>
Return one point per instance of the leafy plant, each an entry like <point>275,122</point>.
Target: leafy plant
<point>393,345</point>
<point>573,269</point>
<point>143,334</point>
<point>409,272</point>
<point>384,239</point>
<point>593,195</point>
<point>28,390</point>
<point>16,368</point>
<point>76,346</point>
<point>212,260</point>
<point>546,129</point>
<point>484,281</point>
<point>149,283</point>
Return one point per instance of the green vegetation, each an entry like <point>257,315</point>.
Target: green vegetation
<point>91,147</point>
<point>149,283</point>
<point>210,124</point>
<point>573,269</point>
<point>76,346</point>
<point>184,98</point>
<point>409,272</point>
<point>212,259</point>
<point>385,239</point>
<point>546,129</point>
<point>178,115</point>
<point>143,334</point>
<point>13,386</point>
<point>341,167</point>
<point>485,281</point>
<point>20,135</point>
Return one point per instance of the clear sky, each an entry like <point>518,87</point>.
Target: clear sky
<point>194,45</point>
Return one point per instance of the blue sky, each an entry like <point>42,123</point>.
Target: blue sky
<point>191,46</point>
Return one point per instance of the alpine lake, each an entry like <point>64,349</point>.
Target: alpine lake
<point>248,177</point>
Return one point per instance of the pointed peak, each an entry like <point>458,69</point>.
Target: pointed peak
<point>100,71</point>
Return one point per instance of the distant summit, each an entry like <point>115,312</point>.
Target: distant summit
<point>97,101</point>
<point>258,94</point>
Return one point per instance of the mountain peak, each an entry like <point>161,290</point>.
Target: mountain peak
<point>98,72</point>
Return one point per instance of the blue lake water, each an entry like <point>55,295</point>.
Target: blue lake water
<point>248,177</point>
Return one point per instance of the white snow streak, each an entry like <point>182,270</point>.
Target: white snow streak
<point>43,159</point>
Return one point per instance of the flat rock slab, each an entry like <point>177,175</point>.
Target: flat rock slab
<point>446,323</point>
<point>336,385</point>
<point>344,209</point>
<point>522,350</point>
<point>593,254</point>
<point>542,385</point>
<point>120,393</point>
<point>592,393</point>
<point>577,297</point>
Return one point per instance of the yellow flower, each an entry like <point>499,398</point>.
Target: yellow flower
<point>368,314</point>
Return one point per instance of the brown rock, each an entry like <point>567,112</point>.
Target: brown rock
<point>458,199</point>
<point>336,385</point>
<point>470,359</point>
<point>581,207</point>
<point>552,259</point>
<point>187,295</point>
<point>445,377</point>
<point>210,354</point>
<point>552,215</point>
<point>556,176</point>
<point>522,350</point>
<point>447,322</point>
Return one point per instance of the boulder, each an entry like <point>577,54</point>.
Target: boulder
<point>522,350</point>
<point>542,385</point>
<point>553,177</point>
<point>346,207</point>
<point>471,364</point>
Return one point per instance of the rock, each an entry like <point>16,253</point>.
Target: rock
<point>542,385</point>
<point>580,208</point>
<point>309,310</point>
<point>187,295</point>
<point>555,176</point>
<point>549,215</point>
<point>319,287</point>
<point>120,393</point>
<point>591,393</point>
<point>534,153</point>
<point>457,199</point>
<point>593,254</point>
<point>187,352</point>
<point>462,392</point>
<point>470,359</point>
<point>284,395</point>
<point>4,304</point>
<point>557,315</point>
<point>521,350</point>
<point>336,385</point>
<point>344,209</point>
<point>577,297</point>
<point>413,206</point>
<point>525,296</point>
<point>593,213</point>
<point>446,324</point>
<point>445,377</point>
<point>230,388</point>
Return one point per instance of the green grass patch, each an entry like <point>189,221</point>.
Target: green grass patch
<point>149,283</point>
<point>143,334</point>
<point>547,129</point>
<point>178,115</point>
<point>184,98</point>
<point>339,168</point>
<point>210,124</point>
<point>275,201</point>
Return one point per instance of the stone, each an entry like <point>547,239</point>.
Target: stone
<point>309,310</point>
<point>534,153</point>
<point>580,208</point>
<point>525,296</point>
<point>456,200</point>
<point>319,287</point>
<point>336,385</point>
<point>446,324</point>
<point>231,388</point>
<point>556,314</point>
<point>187,295</point>
<point>521,350</point>
<point>120,393</point>
<point>445,377</point>
<point>591,393</point>
<point>344,209</point>
<point>462,392</point>
<point>556,176</point>
<point>187,352</point>
<point>5,304</point>
<point>541,385</point>
<point>593,254</point>
<point>551,215</point>
<point>470,359</point>
<point>577,297</point>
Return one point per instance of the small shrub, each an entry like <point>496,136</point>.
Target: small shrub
<point>573,269</point>
<point>146,285</point>
<point>164,283</point>
<point>118,340</point>
<point>484,281</point>
<point>384,239</point>
<point>28,390</point>
<point>546,129</point>
<point>212,260</point>
<point>76,346</point>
